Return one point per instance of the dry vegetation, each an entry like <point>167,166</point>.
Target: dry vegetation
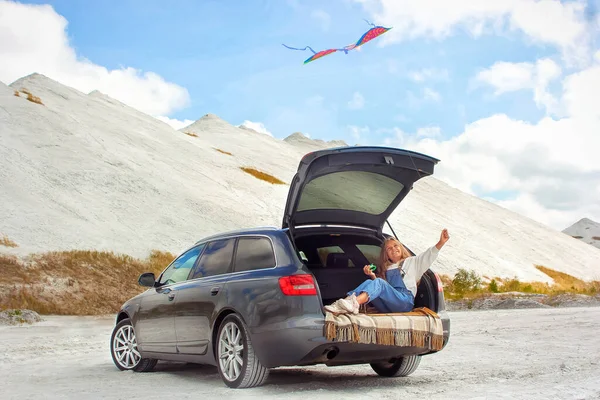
<point>223,151</point>
<point>17,93</point>
<point>263,176</point>
<point>469,285</point>
<point>74,282</point>
<point>96,283</point>
<point>596,237</point>
<point>30,97</point>
<point>191,134</point>
<point>5,241</point>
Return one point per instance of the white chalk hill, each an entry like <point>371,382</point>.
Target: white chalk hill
<point>84,171</point>
<point>586,230</point>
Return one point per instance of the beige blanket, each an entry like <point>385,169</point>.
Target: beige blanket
<point>420,328</point>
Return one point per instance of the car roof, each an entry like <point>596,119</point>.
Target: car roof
<point>263,230</point>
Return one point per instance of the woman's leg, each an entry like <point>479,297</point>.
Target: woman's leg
<point>383,296</point>
<point>349,304</point>
<point>386,299</point>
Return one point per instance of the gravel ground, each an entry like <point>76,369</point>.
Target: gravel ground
<point>500,354</point>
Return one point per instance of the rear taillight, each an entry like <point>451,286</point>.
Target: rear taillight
<point>298,285</point>
<point>439,283</point>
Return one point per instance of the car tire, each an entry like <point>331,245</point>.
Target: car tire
<point>237,363</point>
<point>403,366</point>
<point>123,349</point>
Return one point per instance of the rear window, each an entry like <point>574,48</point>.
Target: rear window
<point>326,259</point>
<point>370,251</point>
<point>350,190</point>
<point>254,253</point>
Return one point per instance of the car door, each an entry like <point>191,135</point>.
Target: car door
<point>353,186</point>
<point>198,297</point>
<point>155,327</point>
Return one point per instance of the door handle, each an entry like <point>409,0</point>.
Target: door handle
<point>171,296</point>
<point>214,291</point>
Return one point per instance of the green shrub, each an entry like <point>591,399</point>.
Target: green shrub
<point>493,286</point>
<point>466,281</point>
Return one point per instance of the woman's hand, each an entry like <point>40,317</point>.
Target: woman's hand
<point>444,237</point>
<point>368,272</point>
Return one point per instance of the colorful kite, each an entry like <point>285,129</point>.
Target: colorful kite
<point>371,34</point>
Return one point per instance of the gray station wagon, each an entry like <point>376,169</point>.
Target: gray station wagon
<point>251,300</point>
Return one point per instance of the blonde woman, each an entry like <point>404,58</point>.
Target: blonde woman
<point>392,288</point>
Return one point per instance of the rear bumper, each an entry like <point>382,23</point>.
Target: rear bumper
<point>288,342</point>
<point>300,341</point>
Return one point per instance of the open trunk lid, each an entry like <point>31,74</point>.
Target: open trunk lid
<point>353,186</point>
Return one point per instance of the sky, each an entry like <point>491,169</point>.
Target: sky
<point>502,92</point>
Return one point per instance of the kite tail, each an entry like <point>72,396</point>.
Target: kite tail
<point>294,48</point>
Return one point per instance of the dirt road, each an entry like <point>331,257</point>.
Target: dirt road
<point>502,354</point>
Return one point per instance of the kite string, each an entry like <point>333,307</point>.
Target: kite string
<point>294,48</point>
<point>370,23</point>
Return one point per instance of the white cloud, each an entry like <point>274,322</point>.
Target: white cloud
<point>429,132</point>
<point>175,123</point>
<point>357,102</point>
<point>508,77</point>
<point>545,22</point>
<point>256,126</point>
<point>552,166</point>
<point>360,134</point>
<point>315,101</point>
<point>429,74</point>
<point>33,38</point>
<point>323,18</point>
<point>427,95</point>
<point>430,94</point>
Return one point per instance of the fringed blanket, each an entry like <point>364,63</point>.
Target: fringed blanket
<point>420,327</point>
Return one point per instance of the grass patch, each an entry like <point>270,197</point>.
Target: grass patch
<point>262,176</point>
<point>191,134</point>
<point>596,237</point>
<point>469,285</point>
<point>578,237</point>
<point>5,241</point>
<point>223,151</point>
<point>74,282</point>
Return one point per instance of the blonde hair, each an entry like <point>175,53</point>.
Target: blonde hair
<point>384,261</point>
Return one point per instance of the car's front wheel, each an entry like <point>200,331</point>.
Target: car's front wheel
<point>237,363</point>
<point>123,348</point>
<point>402,366</point>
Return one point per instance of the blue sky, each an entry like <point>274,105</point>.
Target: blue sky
<point>229,57</point>
<point>503,92</point>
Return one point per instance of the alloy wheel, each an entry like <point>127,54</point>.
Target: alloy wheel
<point>231,351</point>
<point>125,347</point>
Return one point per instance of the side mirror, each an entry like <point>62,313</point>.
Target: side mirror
<point>147,279</point>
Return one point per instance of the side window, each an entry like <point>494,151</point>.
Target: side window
<point>179,270</point>
<point>216,259</point>
<point>254,253</point>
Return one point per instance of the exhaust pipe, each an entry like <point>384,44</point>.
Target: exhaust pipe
<point>331,352</point>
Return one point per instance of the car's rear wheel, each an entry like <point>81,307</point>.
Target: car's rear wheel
<point>237,363</point>
<point>123,348</point>
<point>402,366</point>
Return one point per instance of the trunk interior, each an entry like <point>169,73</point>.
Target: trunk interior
<point>336,257</point>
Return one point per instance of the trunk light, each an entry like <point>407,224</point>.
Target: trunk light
<point>298,285</point>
